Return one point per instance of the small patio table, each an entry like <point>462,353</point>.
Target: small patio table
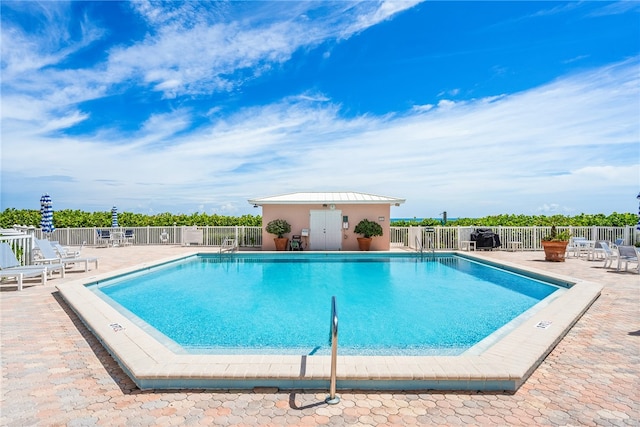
<point>117,237</point>
<point>584,247</point>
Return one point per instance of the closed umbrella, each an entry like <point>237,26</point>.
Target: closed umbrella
<point>46,214</point>
<point>114,217</point>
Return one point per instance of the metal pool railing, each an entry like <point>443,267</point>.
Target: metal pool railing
<point>332,399</point>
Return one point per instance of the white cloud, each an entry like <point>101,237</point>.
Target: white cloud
<point>446,104</point>
<point>569,145</point>
<point>552,209</point>
<point>385,9</point>
<point>236,50</point>
<point>422,108</point>
<point>556,144</point>
<point>617,7</point>
<point>174,61</point>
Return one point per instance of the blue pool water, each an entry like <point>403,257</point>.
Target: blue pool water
<point>266,304</point>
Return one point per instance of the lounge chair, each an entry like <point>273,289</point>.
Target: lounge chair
<point>10,267</point>
<point>48,255</point>
<point>64,252</point>
<point>627,254</point>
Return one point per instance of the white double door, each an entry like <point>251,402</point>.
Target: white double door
<point>325,230</point>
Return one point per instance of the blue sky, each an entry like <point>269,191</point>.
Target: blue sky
<point>476,108</point>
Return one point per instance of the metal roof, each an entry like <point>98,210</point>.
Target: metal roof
<point>345,197</point>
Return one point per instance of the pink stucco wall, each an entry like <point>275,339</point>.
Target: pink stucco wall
<point>298,217</point>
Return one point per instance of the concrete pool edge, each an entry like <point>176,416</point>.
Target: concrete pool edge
<point>503,366</point>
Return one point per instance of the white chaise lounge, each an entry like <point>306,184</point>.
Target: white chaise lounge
<point>10,268</point>
<point>48,255</point>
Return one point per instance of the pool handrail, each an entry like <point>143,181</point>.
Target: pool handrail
<point>332,399</point>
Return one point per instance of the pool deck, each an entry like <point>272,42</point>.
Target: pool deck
<point>55,372</point>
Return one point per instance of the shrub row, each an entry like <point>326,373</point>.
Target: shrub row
<point>68,218</point>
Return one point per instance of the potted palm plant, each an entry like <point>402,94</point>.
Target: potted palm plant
<point>367,229</point>
<point>279,227</point>
<point>555,245</point>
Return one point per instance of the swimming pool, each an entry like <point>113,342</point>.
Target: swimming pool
<point>389,305</point>
<point>502,361</point>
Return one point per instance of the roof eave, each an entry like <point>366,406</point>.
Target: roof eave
<point>396,202</point>
<point>359,199</point>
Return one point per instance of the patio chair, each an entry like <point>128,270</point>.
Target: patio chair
<point>103,238</point>
<point>597,251</point>
<point>229,245</point>
<point>617,243</point>
<point>128,237</point>
<point>627,254</point>
<point>49,255</point>
<point>296,243</point>
<point>10,267</point>
<point>609,254</point>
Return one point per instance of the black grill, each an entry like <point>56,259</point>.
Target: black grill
<point>485,239</point>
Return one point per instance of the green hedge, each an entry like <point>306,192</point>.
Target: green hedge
<point>68,218</point>
<point>582,220</point>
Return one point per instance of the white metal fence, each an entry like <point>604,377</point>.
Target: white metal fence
<point>206,236</point>
<point>21,245</point>
<point>450,238</point>
<point>441,238</point>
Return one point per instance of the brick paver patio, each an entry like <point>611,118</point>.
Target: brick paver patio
<point>55,372</point>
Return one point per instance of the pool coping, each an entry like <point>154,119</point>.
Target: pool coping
<point>503,366</point>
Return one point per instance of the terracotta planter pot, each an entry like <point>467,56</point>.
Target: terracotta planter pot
<point>554,251</point>
<point>364,243</point>
<point>281,243</point>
